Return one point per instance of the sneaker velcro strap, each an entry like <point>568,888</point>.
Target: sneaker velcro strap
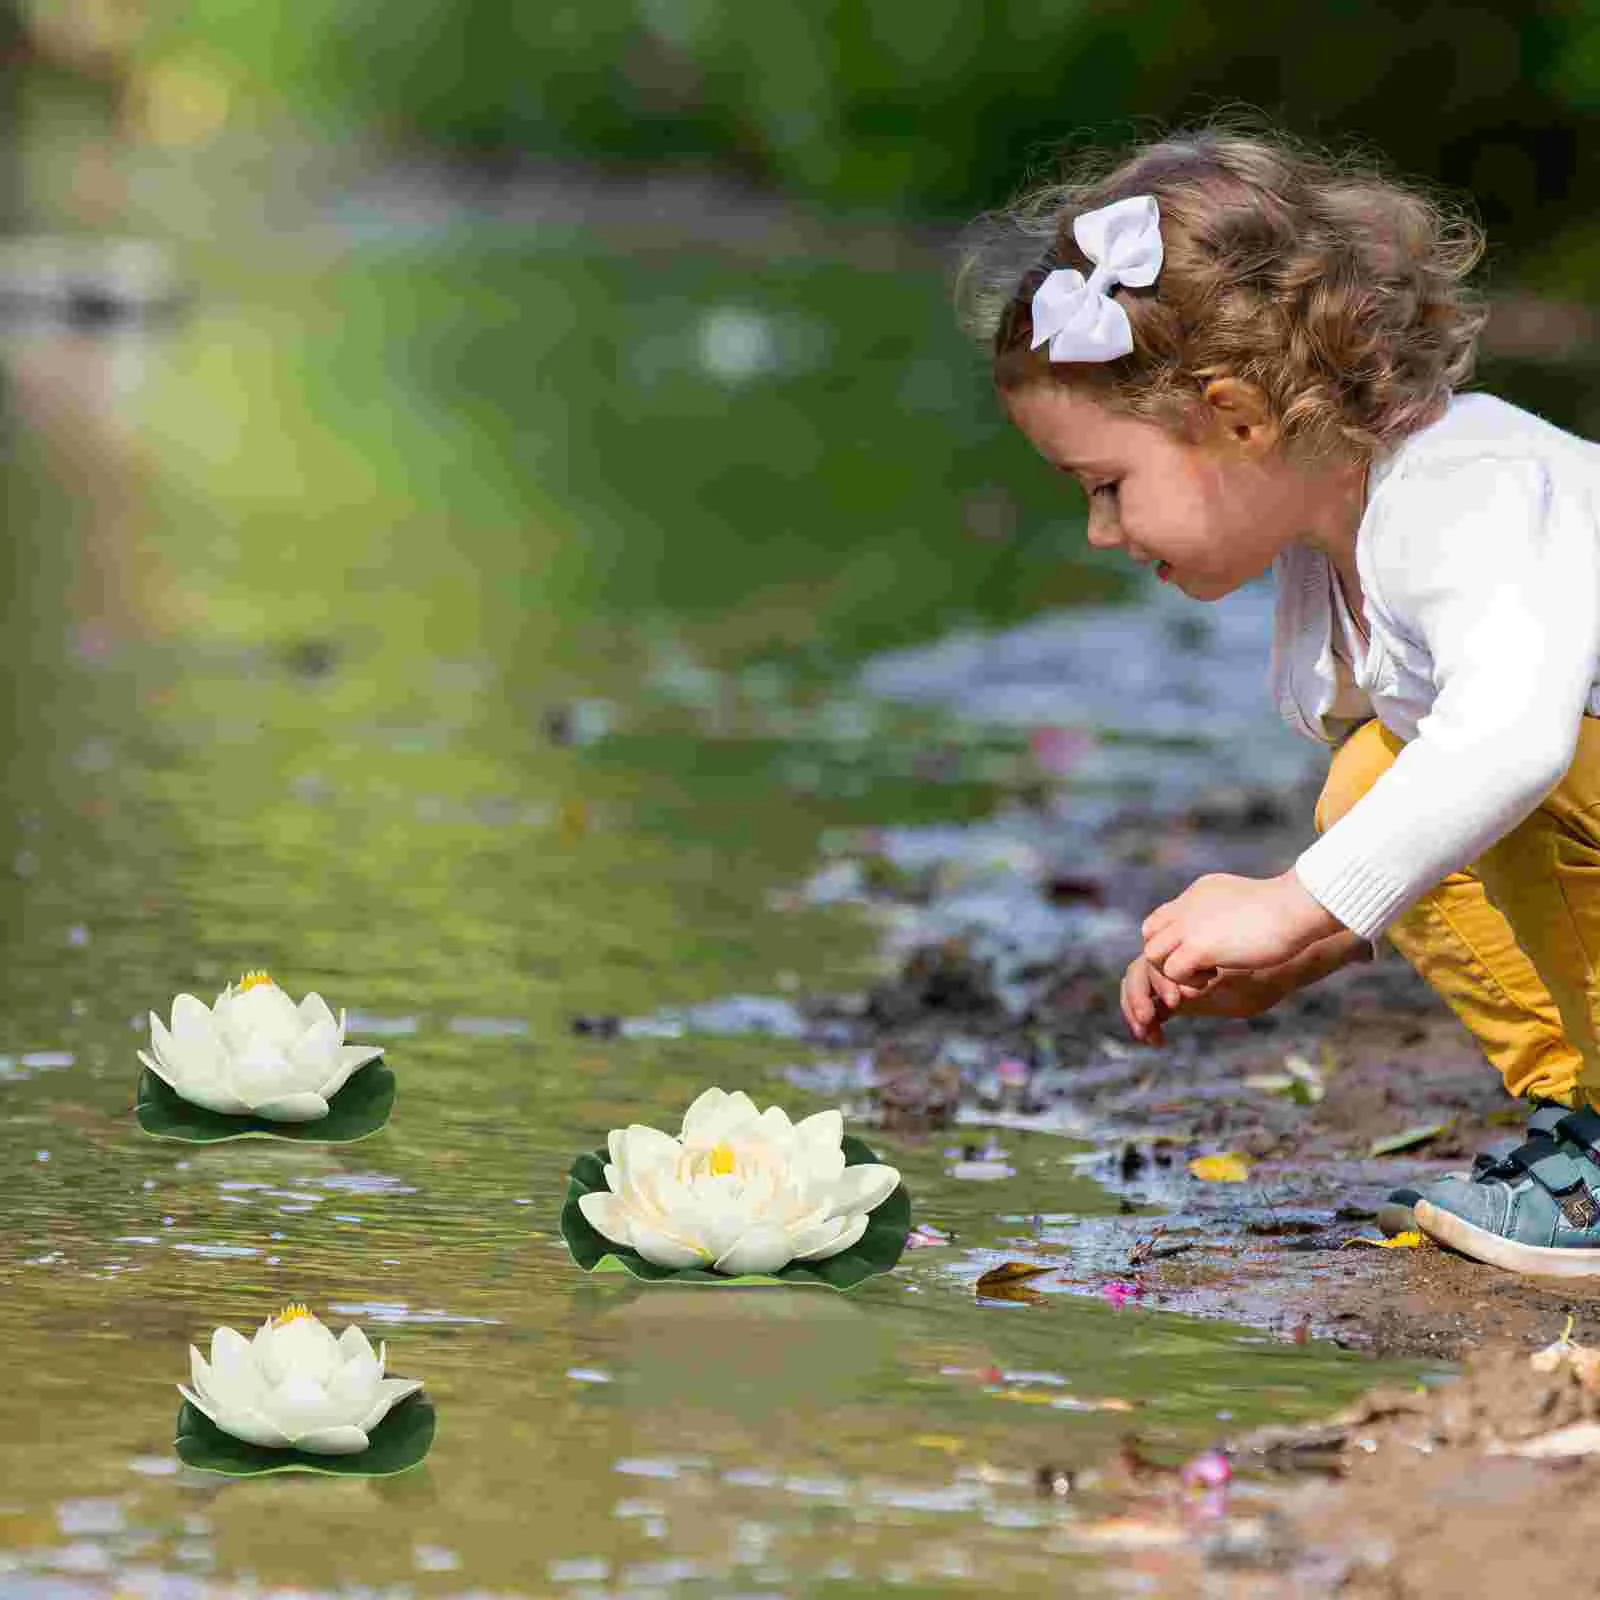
<point>1530,1156</point>
<point>1548,1115</point>
<point>1562,1178</point>
<point>1582,1128</point>
<point>1553,1170</point>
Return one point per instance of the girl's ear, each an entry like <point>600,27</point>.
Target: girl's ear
<point>1240,411</point>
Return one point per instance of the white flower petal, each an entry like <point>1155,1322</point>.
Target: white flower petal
<point>664,1249</point>
<point>354,1387</point>
<point>314,1009</point>
<point>301,1346</point>
<point>819,1168</point>
<point>205,1407</point>
<point>861,1188</point>
<point>702,1114</point>
<point>759,1249</point>
<point>212,1094</point>
<point>192,1055</point>
<point>644,1147</point>
<point>241,1422</point>
<point>854,1228</point>
<point>262,1072</point>
<point>825,1129</point>
<point>193,1025</point>
<point>265,1009</point>
<point>391,1391</point>
<point>304,1106</point>
<point>605,1214</point>
<point>232,1355</point>
<point>301,1404</point>
<point>345,1440</point>
<point>353,1342</point>
<point>167,1074</point>
<point>352,1058</point>
<point>817,1239</point>
<point>316,1053</point>
<point>774,1125</point>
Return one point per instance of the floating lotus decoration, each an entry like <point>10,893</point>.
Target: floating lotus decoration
<point>295,1398</point>
<point>257,1064</point>
<point>740,1195</point>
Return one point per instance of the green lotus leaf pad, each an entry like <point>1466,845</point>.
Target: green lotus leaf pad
<point>398,1443</point>
<point>357,1111</point>
<point>877,1250</point>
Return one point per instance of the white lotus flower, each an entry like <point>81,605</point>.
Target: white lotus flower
<point>295,1386</point>
<point>740,1190</point>
<point>255,1051</point>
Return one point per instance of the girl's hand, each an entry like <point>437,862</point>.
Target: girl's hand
<point>1224,921</point>
<point>1149,998</point>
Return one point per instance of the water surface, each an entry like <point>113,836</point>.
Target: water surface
<point>462,622</point>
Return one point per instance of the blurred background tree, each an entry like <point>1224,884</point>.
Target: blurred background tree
<point>923,107</point>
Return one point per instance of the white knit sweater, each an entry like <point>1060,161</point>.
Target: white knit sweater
<point>1479,557</point>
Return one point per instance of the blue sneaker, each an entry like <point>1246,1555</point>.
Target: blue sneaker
<point>1535,1211</point>
<point>1397,1214</point>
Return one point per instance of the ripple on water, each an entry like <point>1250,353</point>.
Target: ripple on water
<point>13,1069</point>
<point>393,1311</point>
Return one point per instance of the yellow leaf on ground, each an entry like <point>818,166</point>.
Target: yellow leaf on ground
<point>1228,1168</point>
<point>1401,1241</point>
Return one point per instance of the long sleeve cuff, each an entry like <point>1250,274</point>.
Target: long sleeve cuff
<point>1364,899</point>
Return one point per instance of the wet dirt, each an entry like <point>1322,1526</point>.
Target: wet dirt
<point>1401,1496</point>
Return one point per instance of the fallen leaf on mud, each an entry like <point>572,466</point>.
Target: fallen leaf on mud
<point>1406,1139</point>
<point>1577,1439</point>
<point>1227,1168</point>
<point>1009,1272</point>
<point>1400,1241</point>
<point>1300,1080</point>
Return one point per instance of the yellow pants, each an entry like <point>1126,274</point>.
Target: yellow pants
<point>1512,942</point>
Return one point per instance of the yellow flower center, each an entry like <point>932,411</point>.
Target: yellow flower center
<point>293,1312</point>
<point>722,1161</point>
<point>254,980</point>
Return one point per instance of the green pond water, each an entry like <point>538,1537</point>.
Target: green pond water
<point>296,589</point>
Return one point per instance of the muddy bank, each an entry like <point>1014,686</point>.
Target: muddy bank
<point>1338,1094</point>
<point>1335,1096</point>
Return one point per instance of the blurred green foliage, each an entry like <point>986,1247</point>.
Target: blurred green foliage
<point>932,107</point>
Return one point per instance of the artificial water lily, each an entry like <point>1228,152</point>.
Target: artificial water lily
<point>255,1052</point>
<point>295,1386</point>
<point>739,1190</point>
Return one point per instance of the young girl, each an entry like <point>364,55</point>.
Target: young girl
<point>1249,356</point>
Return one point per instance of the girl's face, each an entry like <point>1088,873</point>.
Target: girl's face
<point>1208,516</point>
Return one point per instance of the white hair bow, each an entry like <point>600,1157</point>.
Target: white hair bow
<point>1079,318</point>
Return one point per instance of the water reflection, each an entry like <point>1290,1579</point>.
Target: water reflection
<point>293,588</point>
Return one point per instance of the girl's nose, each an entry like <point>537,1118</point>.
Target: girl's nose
<point>1104,532</point>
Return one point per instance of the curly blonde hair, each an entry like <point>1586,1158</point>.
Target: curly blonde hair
<point>1336,290</point>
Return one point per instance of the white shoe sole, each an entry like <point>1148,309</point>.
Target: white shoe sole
<point>1532,1260</point>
